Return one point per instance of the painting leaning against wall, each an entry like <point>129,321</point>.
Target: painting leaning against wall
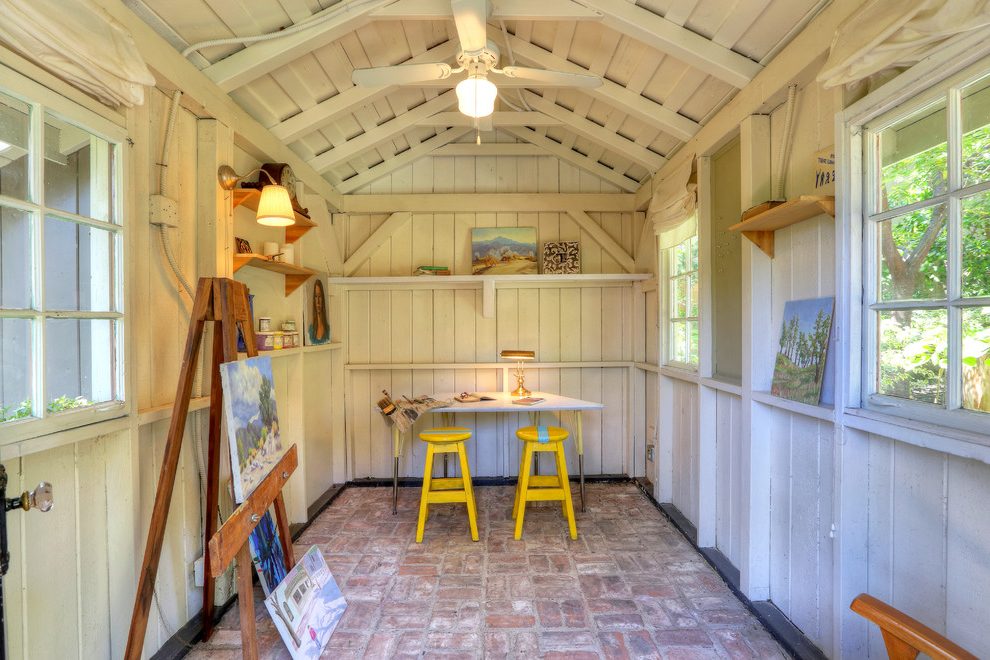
<point>800,366</point>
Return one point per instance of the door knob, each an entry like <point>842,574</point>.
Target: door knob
<point>41,498</point>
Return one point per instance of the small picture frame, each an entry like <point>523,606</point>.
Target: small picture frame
<point>562,257</point>
<point>242,245</point>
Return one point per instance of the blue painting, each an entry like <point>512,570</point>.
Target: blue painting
<point>266,551</point>
<point>252,422</point>
<point>307,606</point>
<point>503,251</point>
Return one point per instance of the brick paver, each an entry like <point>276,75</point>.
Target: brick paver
<point>630,586</point>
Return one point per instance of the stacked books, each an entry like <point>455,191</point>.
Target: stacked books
<point>432,270</point>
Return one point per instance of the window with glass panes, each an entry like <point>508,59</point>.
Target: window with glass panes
<point>682,314</point>
<point>927,251</point>
<point>60,265</point>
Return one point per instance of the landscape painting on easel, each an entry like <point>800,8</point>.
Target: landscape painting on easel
<point>252,422</point>
<point>800,365</point>
<point>503,251</point>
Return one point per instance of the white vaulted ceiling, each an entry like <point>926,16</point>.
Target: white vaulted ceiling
<point>668,66</point>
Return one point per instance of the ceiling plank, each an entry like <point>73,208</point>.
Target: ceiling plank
<point>328,159</point>
<point>264,57</point>
<point>668,37</point>
<point>598,134</point>
<point>401,160</point>
<point>350,99</point>
<point>490,149</point>
<point>565,153</point>
<point>498,119</point>
<point>632,103</point>
<point>508,10</point>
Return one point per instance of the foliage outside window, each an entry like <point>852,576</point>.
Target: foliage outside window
<point>682,340</point>
<point>928,270</point>
<point>60,265</point>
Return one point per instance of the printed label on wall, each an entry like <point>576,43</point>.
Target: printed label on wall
<point>825,171</point>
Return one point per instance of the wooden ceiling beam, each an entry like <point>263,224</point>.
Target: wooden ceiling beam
<point>488,202</point>
<point>565,153</point>
<point>341,153</point>
<point>498,119</point>
<point>490,149</point>
<point>669,37</point>
<point>350,100</point>
<point>264,57</point>
<point>610,93</point>
<point>508,10</point>
<point>600,135</point>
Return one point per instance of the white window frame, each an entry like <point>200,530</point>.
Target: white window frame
<point>941,76</point>
<point>667,264</point>
<point>44,101</point>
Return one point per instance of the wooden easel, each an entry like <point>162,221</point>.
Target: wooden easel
<point>224,302</point>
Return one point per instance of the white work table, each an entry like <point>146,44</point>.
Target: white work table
<point>502,403</point>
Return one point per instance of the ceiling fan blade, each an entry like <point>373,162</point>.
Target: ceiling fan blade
<point>403,74</point>
<point>470,18</point>
<point>556,78</point>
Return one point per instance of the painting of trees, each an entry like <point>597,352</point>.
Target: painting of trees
<point>800,366</point>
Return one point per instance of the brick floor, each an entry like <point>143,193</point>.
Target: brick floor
<point>630,586</point>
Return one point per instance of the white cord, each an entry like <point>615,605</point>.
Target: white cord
<point>334,12</point>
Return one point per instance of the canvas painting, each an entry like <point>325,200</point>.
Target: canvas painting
<point>252,422</point>
<point>306,606</point>
<point>800,365</point>
<point>266,551</point>
<point>316,321</point>
<point>503,251</point>
<point>562,257</point>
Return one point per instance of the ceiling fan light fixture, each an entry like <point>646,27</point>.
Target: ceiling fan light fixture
<point>476,96</point>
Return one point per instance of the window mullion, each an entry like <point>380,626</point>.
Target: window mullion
<point>953,398</point>
<point>36,175</point>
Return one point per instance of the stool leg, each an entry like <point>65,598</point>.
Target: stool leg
<point>523,489</point>
<point>565,483</point>
<point>425,495</point>
<point>515,501</point>
<point>468,491</point>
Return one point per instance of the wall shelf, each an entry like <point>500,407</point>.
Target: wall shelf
<point>249,197</point>
<point>294,275</point>
<point>759,223</point>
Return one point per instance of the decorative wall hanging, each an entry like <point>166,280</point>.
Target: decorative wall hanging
<point>316,322</point>
<point>503,251</point>
<point>800,364</point>
<point>243,246</point>
<point>561,257</point>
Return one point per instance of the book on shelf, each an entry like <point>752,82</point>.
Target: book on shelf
<point>433,270</point>
<point>528,400</point>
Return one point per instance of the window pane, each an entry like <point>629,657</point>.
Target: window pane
<point>976,133</point>
<point>694,253</point>
<point>680,297</point>
<point>79,362</point>
<point>976,358</point>
<point>913,159</point>
<point>15,258</point>
<point>913,255</point>
<point>678,340</point>
<point>912,354</point>
<point>14,140</point>
<point>77,266</point>
<point>693,342</point>
<point>692,295</point>
<point>78,169</point>
<point>976,244</point>
<point>15,369</point>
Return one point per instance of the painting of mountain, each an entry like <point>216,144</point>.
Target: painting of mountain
<point>252,422</point>
<point>503,251</point>
<point>800,365</point>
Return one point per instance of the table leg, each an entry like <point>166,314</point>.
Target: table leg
<point>396,448</point>
<point>580,449</point>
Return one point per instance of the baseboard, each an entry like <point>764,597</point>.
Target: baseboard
<point>789,636</point>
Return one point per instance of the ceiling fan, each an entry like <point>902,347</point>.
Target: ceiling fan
<point>478,58</point>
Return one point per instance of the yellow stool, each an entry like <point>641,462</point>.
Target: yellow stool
<point>446,440</point>
<point>538,488</point>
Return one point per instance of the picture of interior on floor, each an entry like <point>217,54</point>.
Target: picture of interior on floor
<point>494,329</point>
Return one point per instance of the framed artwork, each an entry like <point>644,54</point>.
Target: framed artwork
<point>266,551</point>
<point>562,257</point>
<point>252,422</point>
<point>242,245</point>
<point>316,321</point>
<point>800,365</point>
<point>306,606</point>
<point>503,251</point>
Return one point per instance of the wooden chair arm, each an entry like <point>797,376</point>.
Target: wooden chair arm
<point>905,636</point>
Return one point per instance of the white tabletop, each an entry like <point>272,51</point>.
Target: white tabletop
<point>503,403</point>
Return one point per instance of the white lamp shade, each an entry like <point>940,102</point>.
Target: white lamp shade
<point>275,207</point>
<point>476,96</point>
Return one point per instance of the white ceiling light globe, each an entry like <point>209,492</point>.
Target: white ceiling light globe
<point>476,96</point>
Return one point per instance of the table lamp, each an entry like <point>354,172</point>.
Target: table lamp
<point>519,357</point>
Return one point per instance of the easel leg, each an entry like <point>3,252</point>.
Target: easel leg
<point>580,448</point>
<point>245,604</point>
<point>212,486</point>
<point>396,448</point>
<point>285,537</point>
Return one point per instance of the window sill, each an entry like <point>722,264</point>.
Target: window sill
<point>38,436</point>
<point>823,413</point>
<point>936,437</point>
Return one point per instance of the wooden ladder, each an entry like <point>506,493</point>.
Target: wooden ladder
<point>904,636</point>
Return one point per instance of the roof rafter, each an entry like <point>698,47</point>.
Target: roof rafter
<point>498,119</point>
<point>669,37</point>
<point>571,156</point>
<point>508,10</point>
<point>615,95</point>
<point>382,133</point>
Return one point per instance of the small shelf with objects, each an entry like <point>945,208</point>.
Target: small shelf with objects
<point>759,223</point>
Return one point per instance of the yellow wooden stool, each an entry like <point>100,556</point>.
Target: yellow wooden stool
<point>536,488</point>
<point>446,440</point>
